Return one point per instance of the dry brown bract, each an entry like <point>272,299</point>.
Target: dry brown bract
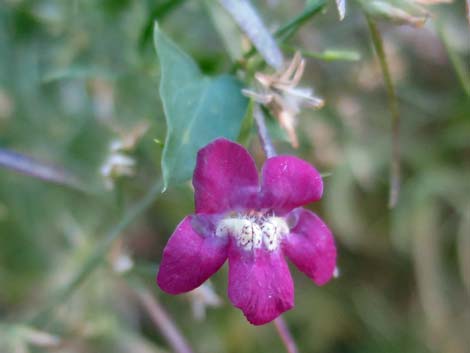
<point>280,94</point>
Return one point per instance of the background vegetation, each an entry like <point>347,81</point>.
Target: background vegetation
<point>80,240</point>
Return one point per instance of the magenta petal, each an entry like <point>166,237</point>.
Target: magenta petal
<point>225,177</point>
<point>189,259</point>
<point>260,285</point>
<point>289,182</point>
<point>311,247</point>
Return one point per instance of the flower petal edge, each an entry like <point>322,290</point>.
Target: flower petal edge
<point>311,247</point>
<point>225,177</point>
<point>190,258</point>
<point>260,284</point>
<point>289,182</point>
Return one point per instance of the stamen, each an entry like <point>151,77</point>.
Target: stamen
<point>254,231</point>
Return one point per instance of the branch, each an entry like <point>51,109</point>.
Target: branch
<point>245,15</point>
<point>286,31</point>
<point>263,133</point>
<point>468,11</point>
<point>162,321</point>
<point>270,151</point>
<point>98,255</point>
<point>285,335</point>
<point>395,114</point>
<point>37,169</point>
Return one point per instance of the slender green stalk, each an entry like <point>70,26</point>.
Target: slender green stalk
<point>459,66</point>
<point>247,18</point>
<point>463,248</point>
<point>288,29</point>
<point>394,112</point>
<point>428,259</point>
<point>468,11</point>
<point>326,55</point>
<point>98,255</point>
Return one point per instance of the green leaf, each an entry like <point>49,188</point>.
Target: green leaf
<point>197,109</point>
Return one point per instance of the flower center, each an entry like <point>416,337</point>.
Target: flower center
<point>254,232</point>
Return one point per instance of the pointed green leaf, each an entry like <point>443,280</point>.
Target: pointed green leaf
<point>197,108</point>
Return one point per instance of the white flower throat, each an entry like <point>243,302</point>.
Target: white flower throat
<point>253,232</point>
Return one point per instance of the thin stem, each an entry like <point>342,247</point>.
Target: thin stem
<point>263,133</point>
<point>395,114</point>
<point>285,335</point>
<point>463,249</point>
<point>326,55</point>
<point>270,151</point>
<point>468,11</point>
<point>428,264</point>
<point>247,18</point>
<point>459,65</point>
<point>287,30</point>
<point>98,255</point>
<point>283,34</point>
<point>38,169</point>
<point>162,321</point>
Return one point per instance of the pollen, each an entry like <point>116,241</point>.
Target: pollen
<point>254,232</point>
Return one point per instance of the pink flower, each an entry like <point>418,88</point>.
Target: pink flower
<point>252,225</point>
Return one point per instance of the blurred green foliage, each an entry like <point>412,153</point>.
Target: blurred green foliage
<point>79,90</point>
<point>198,109</point>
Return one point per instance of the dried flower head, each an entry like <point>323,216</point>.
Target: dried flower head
<point>280,94</point>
